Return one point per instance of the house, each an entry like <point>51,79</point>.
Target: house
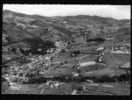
<point>120,52</point>
<point>60,44</point>
<point>126,66</point>
<point>100,48</point>
<point>83,64</point>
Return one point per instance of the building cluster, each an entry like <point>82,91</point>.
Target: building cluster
<point>124,49</point>
<point>35,68</point>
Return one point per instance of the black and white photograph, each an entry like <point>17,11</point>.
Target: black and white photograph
<point>66,49</point>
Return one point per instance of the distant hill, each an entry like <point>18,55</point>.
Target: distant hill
<point>19,28</point>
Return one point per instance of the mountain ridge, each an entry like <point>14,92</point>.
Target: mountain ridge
<point>80,15</point>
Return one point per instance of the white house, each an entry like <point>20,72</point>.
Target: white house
<point>87,63</point>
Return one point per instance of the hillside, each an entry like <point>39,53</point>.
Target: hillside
<point>70,49</point>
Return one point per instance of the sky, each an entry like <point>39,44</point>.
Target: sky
<point>114,11</point>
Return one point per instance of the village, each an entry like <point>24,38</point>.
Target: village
<point>72,55</point>
<point>41,65</point>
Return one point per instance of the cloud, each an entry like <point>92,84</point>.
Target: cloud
<point>118,12</point>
